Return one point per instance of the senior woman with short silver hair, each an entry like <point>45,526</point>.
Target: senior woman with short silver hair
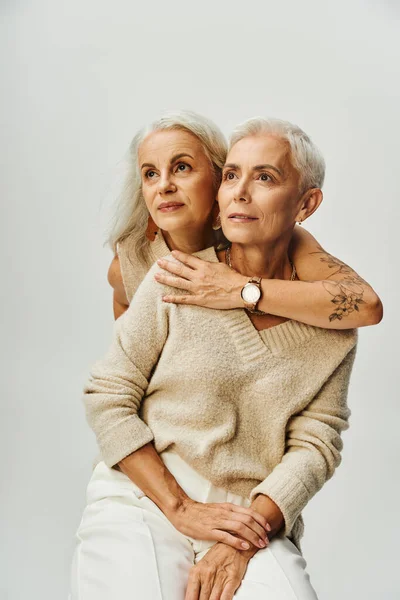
<point>237,415</point>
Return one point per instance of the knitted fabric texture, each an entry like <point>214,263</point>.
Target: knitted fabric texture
<point>132,271</point>
<point>254,412</point>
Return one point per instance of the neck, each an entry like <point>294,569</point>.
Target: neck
<point>270,261</point>
<point>189,241</point>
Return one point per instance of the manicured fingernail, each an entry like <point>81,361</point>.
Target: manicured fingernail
<point>268,527</point>
<point>245,545</point>
<point>261,543</point>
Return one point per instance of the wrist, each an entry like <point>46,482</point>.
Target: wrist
<point>248,554</point>
<point>173,501</point>
<point>245,554</point>
<point>271,511</point>
<point>176,507</point>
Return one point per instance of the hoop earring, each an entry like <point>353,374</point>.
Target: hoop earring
<point>217,223</point>
<point>151,230</point>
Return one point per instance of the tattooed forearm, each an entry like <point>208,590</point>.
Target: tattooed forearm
<point>347,293</point>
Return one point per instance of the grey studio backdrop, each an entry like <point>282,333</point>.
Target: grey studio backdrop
<point>78,79</point>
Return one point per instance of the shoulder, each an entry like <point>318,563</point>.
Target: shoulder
<point>134,267</point>
<point>336,344</point>
<point>155,268</point>
<point>325,348</point>
<point>338,337</point>
<point>127,270</point>
<point>151,290</point>
<point>347,336</point>
<point>114,274</point>
<point>302,245</point>
<point>114,277</point>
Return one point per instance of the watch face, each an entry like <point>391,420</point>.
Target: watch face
<point>251,293</point>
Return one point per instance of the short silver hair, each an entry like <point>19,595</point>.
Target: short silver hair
<point>131,214</point>
<point>305,156</point>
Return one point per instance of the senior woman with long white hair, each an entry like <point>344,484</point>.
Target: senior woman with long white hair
<point>235,417</point>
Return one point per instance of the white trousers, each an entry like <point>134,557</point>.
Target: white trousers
<point>128,550</point>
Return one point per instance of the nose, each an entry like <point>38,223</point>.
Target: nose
<point>166,184</point>
<point>241,192</point>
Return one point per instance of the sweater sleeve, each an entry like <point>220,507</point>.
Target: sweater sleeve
<point>313,447</point>
<point>117,383</point>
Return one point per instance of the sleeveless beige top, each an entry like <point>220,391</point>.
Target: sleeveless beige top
<point>134,271</point>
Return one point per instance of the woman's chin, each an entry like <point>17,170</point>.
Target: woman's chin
<point>182,226</point>
<point>238,237</point>
<point>173,222</point>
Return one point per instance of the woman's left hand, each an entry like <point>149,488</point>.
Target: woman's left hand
<point>218,574</point>
<point>210,284</point>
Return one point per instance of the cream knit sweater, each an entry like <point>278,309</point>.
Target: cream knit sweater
<point>252,411</point>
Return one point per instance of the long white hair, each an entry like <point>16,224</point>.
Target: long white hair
<point>131,214</point>
<point>306,157</point>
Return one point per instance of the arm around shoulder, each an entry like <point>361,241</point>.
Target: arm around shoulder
<point>353,298</point>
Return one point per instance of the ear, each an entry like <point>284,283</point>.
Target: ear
<point>309,203</point>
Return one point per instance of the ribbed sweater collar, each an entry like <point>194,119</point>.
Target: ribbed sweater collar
<point>254,344</point>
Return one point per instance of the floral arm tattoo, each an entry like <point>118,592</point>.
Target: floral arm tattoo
<point>347,293</point>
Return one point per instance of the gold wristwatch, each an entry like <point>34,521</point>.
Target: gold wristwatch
<point>251,293</point>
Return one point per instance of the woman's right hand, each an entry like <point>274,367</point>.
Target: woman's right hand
<point>221,522</point>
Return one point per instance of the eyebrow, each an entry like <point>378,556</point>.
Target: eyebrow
<point>256,168</point>
<point>181,155</point>
<point>173,159</point>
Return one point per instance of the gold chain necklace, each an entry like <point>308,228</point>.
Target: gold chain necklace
<point>229,263</point>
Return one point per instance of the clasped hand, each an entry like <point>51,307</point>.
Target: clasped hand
<point>239,532</point>
<point>218,574</point>
<point>225,522</point>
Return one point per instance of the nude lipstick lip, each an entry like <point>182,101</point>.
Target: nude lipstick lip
<point>170,206</point>
<point>241,218</point>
